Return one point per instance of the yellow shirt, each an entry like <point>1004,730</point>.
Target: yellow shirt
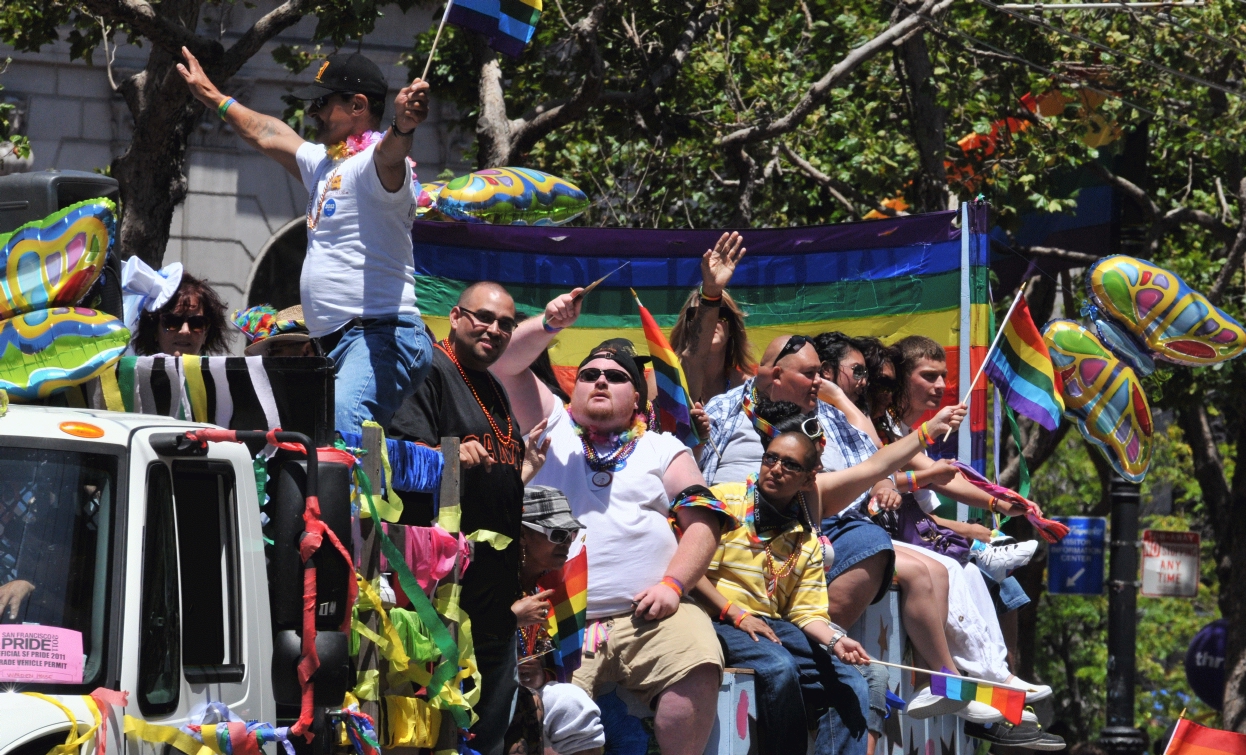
<point>739,569</point>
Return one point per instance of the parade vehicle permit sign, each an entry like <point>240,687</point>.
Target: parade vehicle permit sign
<point>1170,564</point>
<point>34,653</point>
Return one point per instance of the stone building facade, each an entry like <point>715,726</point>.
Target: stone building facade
<point>241,226</point>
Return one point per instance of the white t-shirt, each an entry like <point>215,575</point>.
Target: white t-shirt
<point>629,540</point>
<point>359,257</point>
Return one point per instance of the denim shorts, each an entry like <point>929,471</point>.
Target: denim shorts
<point>855,539</point>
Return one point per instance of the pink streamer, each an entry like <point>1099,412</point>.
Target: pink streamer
<point>1049,530</point>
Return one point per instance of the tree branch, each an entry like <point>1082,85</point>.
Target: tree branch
<point>698,21</point>
<point>492,127</point>
<point>1064,254</point>
<point>1129,189</point>
<point>143,18</point>
<point>1235,254</point>
<point>826,181</point>
<point>270,25</point>
<point>840,71</point>
<point>528,130</point>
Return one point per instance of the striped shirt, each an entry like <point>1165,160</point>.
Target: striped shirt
<point>739,566</point>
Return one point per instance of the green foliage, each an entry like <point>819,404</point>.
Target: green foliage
<point>13,144</point>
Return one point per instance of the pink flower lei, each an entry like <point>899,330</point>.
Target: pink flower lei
<point>354,144</point>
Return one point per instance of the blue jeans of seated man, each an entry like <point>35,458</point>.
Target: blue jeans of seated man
<point>799,686</point>
<point>378,364</point>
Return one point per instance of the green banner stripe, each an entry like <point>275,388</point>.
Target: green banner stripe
<point>615,308</point>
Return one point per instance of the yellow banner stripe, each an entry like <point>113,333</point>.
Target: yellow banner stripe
<point>1029,355</point>
<point>570,346</point>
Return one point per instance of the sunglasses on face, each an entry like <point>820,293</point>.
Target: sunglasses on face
<point>556,535</point>
<point>590,375</point>
<point>860,372</point>
<point>793,345</point>
<point>769,460</point>
<point>322,101</point>
<point>173,323</point>
<point>486,318</point>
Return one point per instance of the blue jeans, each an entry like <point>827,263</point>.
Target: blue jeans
<point>378,365</point>
<point>799,687</point>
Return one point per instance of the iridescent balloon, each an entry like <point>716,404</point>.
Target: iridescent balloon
<point>46,350</point>
<point>53,262</point>
<point>511,196</point>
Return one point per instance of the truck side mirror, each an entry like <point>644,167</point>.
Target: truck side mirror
<point>332,679</point>
<point>286,490</point>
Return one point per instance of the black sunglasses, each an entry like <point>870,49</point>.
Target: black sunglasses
<point>173,323</point>
<point>505,324</point>
<point>860,372</point>
<point>769,460</point>
<point>556,535</point>
<point>793,345</point>
<point>320,102</point>
<point>590,375</point>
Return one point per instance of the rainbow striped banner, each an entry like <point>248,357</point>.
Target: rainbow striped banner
<point>1021,368</point>
<point>1006,700</point>
<point>887,278</point>
<point>508,25</point>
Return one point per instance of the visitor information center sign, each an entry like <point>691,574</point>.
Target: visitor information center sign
<point>1170,564</point>
<point>1075,564</point>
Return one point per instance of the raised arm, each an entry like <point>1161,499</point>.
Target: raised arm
<point>390,156</point>
<point>837,489</point>
<point>960,489</point>
<point>717,267</point>
<point>529,397</point>
<point>263,132</point>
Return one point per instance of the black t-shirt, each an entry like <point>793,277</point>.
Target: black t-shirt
<point>443,406</point>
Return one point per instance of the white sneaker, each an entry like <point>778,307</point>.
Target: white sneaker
<point>927,705</point>
<point>998,560</point>
<point>979,713</point>
<point>1033,692</point>
<point>1028,716</point>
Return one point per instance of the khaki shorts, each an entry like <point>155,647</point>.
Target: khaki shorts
<point>647,657</point>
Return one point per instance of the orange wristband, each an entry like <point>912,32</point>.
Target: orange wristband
<point>740,618</point>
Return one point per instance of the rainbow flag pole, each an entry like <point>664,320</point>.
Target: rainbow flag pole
<point>1007,700</point>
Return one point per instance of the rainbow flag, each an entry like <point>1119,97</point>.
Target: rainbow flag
<point>1006,700</point>
<point>1191,739</point>
<point>888,278</point>
<point>570,599</point>
<point>673,405</point>
<point>1020,367</point>
<point>507,24</point>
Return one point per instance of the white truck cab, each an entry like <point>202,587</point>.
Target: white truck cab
<point>156,563</point>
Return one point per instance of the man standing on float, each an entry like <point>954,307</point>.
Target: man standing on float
<point>358,281</point>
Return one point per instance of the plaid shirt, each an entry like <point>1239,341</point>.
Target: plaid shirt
<point>846,446</point>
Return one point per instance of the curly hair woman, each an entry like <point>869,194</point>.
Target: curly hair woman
<point>192,322</point>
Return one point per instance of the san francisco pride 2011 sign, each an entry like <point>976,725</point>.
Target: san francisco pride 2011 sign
<point>31,653</point>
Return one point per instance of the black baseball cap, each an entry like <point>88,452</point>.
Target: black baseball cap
<point>345,73</point>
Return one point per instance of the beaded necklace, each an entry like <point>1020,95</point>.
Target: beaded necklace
<point>624,445</point>
<point>338,153</point>
<point>503,440</point>
<point>772,573</point>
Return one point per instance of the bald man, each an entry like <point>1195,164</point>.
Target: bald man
<point>790,370</point>
<point>461,399</point>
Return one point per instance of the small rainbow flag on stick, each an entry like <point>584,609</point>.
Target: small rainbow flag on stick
<point>570,599</point>
<point>673,404</point>
<point>508,25</point>
<point>1006,700</point>
<point>1191,739</point>
<point>1021,368</point>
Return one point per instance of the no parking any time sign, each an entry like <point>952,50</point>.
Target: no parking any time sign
<point>1170,564</point>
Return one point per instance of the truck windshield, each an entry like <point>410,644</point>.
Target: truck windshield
<point>56,512</point>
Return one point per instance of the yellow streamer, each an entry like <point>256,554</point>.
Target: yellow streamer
<point>390,505</point>
<point>368,686</point>
<point>112,391</point>
<point>167,735</point>
<point>208,732</point>
<point>449,518</point>
<point>73,742</point>
<point>389,644</point>
<point>496,539</point>
<point>412,722</point>
<point>195,385</point>
<point>447,604</point>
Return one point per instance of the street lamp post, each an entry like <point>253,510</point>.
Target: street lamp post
<point>1120,736</point>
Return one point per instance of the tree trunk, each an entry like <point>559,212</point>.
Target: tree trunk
<point>928,119</point>
<point>493,128</point>
<point>1231,543</point>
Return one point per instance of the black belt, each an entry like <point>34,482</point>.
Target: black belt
<point>329,343</point>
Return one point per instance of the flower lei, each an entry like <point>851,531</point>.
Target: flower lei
<point>624,444</point>
<point>354,144</point>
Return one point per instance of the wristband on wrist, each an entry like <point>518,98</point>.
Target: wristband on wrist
<point>714,300</point>
<point>223,106</point>
<point>912,478</point>
<point>549,328</point>
<point>992,505</point>
<point>740,618</point>
<point>674,584</point>
<point>393,125</point>
<point>723,615</point>
<point>923,435</point>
